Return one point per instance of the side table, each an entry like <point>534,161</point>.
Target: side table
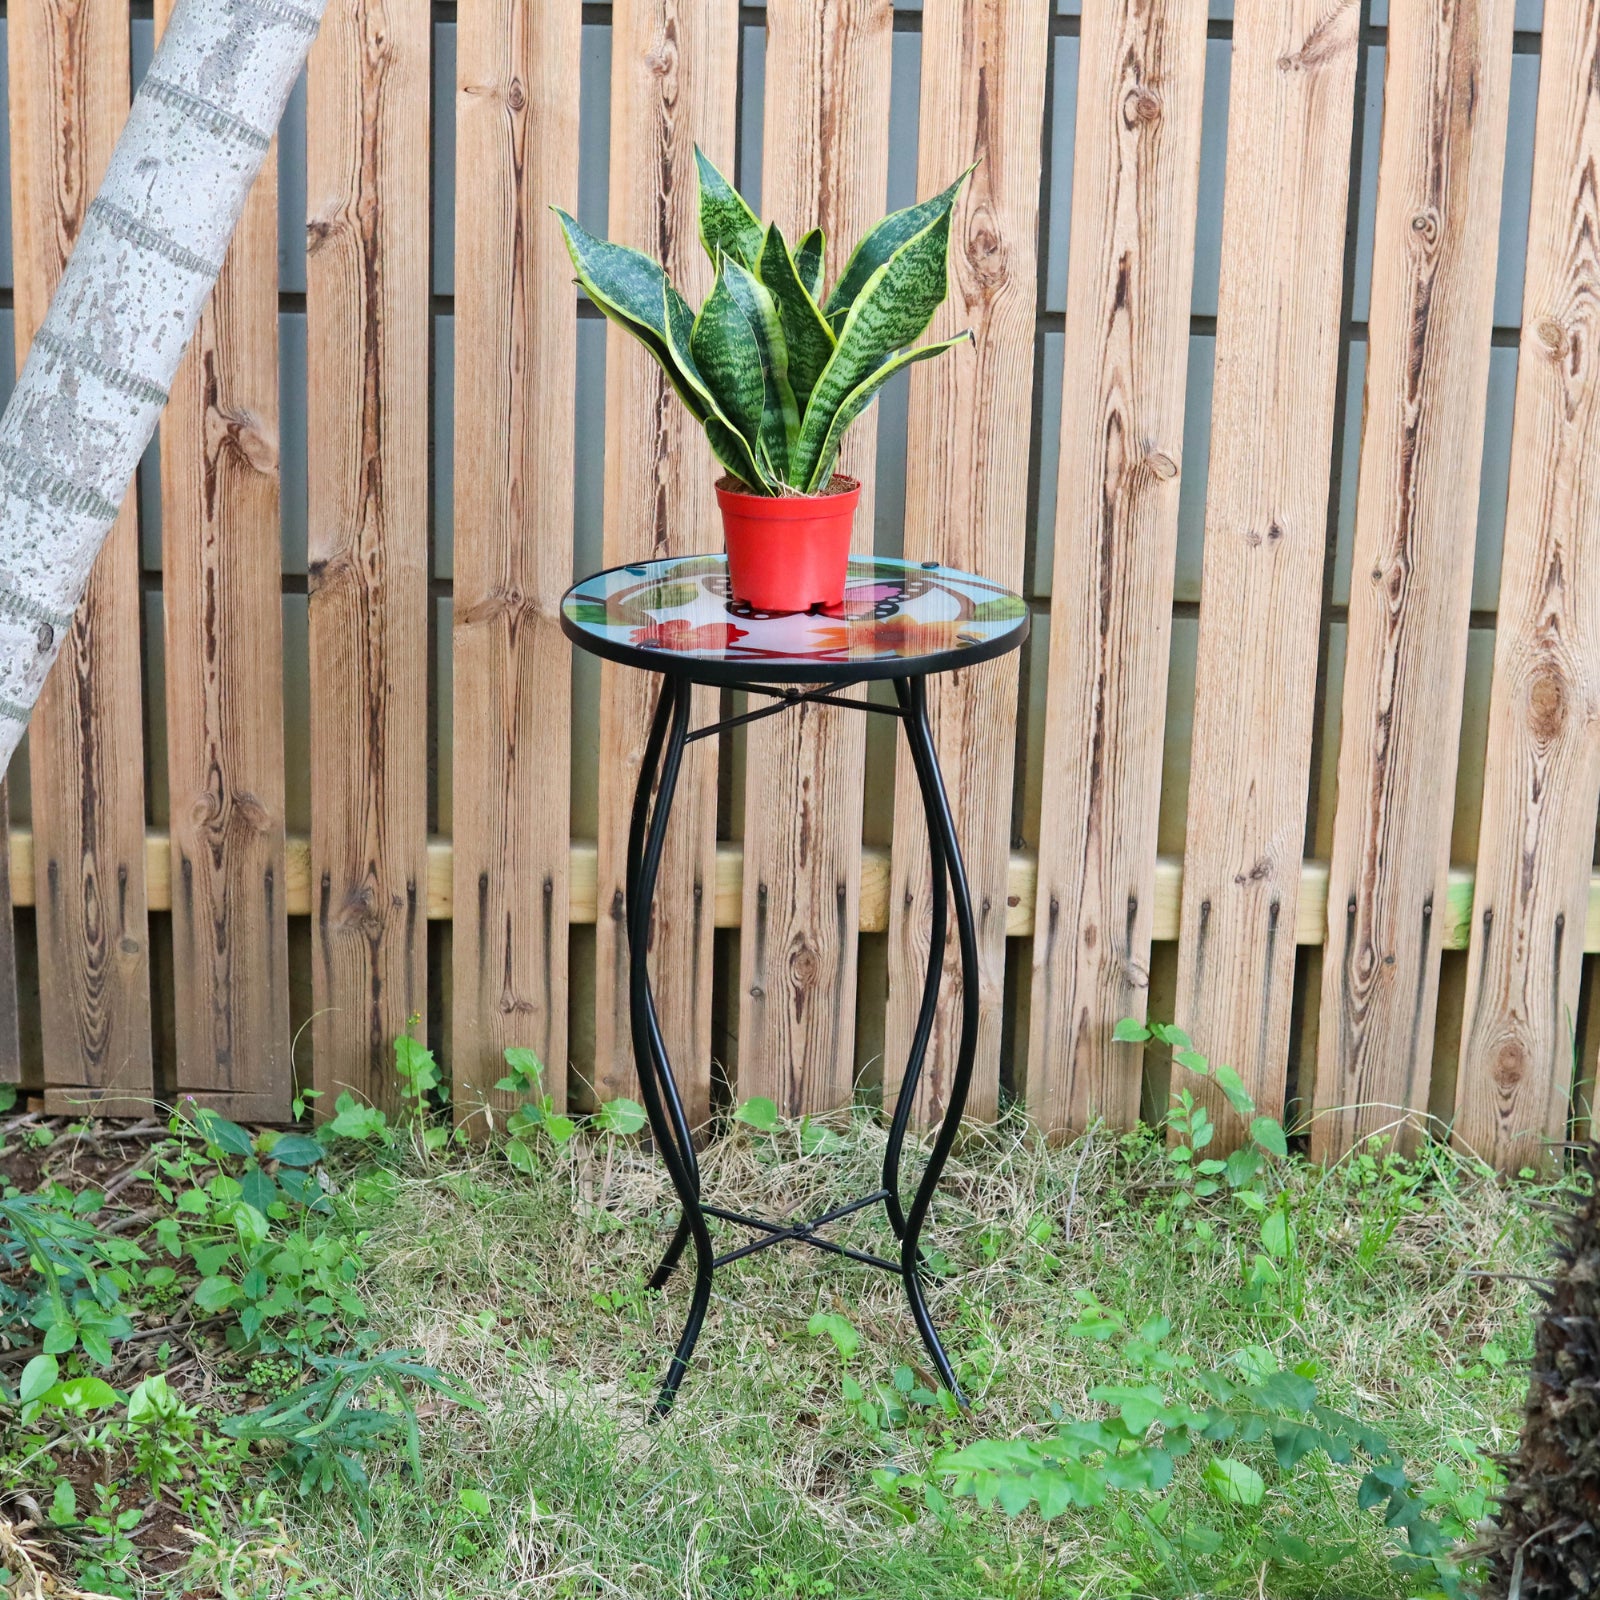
<point>901,622</point>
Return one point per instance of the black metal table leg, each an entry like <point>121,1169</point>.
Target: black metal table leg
<point>945,854</point>
<point>668,1123</point>
<point>658,774</point>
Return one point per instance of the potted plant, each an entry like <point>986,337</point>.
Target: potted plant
<point>775,370</point>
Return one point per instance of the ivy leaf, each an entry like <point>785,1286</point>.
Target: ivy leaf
<point>1234,1482</point>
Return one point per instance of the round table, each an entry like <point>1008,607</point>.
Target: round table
<point>900,621</point>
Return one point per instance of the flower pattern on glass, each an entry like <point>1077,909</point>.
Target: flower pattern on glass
<point>677,633</point>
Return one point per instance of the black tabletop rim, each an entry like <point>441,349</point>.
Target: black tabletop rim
<point>724,674</point>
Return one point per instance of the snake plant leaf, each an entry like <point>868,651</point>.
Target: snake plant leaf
<point>738,345</point>
<point>889,236</point>
<point>808,261</point>
<point>809,339</point>
<point>895,306</point>
<point>727,225</point>
<point>732,450</point>
<point>633,291</point>
<point>860,398</point>
<point>726,442</point>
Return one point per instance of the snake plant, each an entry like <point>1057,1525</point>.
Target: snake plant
<point>771,368</point>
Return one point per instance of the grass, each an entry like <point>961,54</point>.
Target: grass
<point>769,1480</point>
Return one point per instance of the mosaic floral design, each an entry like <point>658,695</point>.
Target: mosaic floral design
<point>892,610</point>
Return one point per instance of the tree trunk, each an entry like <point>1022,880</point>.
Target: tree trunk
<point>97,376</point>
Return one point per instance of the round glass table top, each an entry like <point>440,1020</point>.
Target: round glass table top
<point>899,619</point>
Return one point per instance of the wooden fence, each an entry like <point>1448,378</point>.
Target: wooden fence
<point>1282,411</point>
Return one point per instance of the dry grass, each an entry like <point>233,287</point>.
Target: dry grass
<point>528,1289</point>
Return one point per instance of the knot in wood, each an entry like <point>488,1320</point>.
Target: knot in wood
<point>1510,1065</point>
<point>318,232</point>
<point>985,251</point>
<point>45,637</point>
<point>1161,465</point>
<point>1547,704</point>
<point>804,967</point>
<point>1425,227</point>
<point>1141,105</point>
<point>516,95</point>
<point>1554,337</point>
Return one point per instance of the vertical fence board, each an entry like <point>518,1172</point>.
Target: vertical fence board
<point>674,83</point>
<point>367,425</point>
<point>983,72</point>
<point>1283,232</point>
<point>1141,82</point>
<point>69,71</point>
<point>224,641</point>
<point>825,155</point>
<point>1446,95</point>
<point>517,71</point>
<point>1542,778</point>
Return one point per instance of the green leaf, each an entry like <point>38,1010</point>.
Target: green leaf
<point>559,1128</point>
<point>621,1115</point>
<point>1242,1165</point>
<point>1268,1133</point>
<point>739,347</point>
<point>726,443</point>
<point>1012,608</point>
<point>60,1337</point>
<point>632,290</point>
<point>218,1131</point>
<point>1275,1234</point>
<point>215,1294</point>
<point>83,1394</point>
<point>758,1112</point>
<point>809,262</point>
<point>727,225</point>
<point>1233,1482</point>
<point>296,1150</point>
<point>1138,1404</point>
<point>817,1140</point>
<point>521,1156</point>
<point>525,1061</point>
<point>1232,1085</point>
<point>859,399</point>
<point>38,1376</point>
<point>882,242</point>
<point>838,1328</point>
<point>1130,1031</point>
<point>474,1501</point>
<point>96,1345</point>
<point>894,306</point>
<point>806,332</point>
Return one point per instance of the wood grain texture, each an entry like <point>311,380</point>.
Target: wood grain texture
<point>10,1021</point>
<point>1283,230</point>
<point>517,71</point>
<point>825,153</point>
<point>221,562</point>
<point>1542,780</point>
<point>1141,80</point>
<point>674,81</point>
<point>86,740</point>
<point>1446,95</point>
<point>983,74</point>
<point>367,418</point>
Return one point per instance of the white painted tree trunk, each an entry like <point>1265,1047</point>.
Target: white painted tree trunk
<point>96,377</point>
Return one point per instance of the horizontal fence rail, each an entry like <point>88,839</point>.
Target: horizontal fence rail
<point>1280,411</point>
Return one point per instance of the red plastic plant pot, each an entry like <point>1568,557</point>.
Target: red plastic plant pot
<point>789,552</point>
